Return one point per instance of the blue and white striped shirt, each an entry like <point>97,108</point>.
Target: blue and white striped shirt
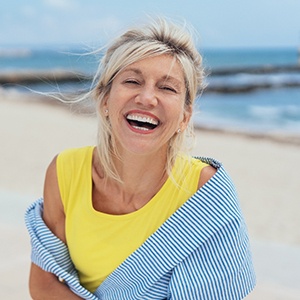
<point>201,252</point>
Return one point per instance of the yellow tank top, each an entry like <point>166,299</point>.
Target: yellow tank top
<point>98,242</point>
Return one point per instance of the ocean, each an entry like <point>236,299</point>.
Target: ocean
<point>248,90</point>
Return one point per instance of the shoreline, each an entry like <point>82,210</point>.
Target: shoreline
<point>273,137</point>
<point>86,108</point>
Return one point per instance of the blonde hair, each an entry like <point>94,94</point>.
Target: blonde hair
<point>156,38</point>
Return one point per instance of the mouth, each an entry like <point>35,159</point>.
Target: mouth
<point>144,123</point>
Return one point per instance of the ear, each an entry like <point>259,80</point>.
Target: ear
<point>104,103</point>
<point>187,114</point>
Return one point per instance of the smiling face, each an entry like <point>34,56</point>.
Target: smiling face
<point>146,105</point>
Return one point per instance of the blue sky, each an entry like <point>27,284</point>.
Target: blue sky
<point>219,23</point>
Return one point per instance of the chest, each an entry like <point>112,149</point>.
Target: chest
<point>100,242</point>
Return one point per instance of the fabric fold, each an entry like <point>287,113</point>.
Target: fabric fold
<point>50,253</point>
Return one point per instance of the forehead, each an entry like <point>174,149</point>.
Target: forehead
<point>165,66</point>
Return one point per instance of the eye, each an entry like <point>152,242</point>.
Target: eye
<point>132,81</point>
<point>169,88</point>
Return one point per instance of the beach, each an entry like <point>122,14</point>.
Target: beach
<point>33,130</point>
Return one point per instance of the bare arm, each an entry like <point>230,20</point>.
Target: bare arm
<point>42,284</point>
<point>206,174</point>
<point>45,286</point>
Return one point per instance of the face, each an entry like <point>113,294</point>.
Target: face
<point>146,105</point>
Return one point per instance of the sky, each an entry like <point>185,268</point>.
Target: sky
<point>219,23</point>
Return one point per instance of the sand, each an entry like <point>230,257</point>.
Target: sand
<point>33,130</point>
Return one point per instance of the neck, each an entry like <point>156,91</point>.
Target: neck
<point>140,173</point>
<point>142,177</point>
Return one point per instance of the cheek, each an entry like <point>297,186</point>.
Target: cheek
<point>175,120</point>
<point>179,112</point>
<point>112,104</point>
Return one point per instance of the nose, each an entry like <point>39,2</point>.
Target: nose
<point>147,96</point>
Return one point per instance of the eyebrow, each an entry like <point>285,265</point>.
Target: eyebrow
<point>178,83</point>
<point>134,70</point>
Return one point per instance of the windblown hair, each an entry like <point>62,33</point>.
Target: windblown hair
<point>160,37</point>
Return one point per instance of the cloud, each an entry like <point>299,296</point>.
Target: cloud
<point>61,4</point>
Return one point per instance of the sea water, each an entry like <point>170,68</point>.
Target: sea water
<point>275,109</point>
<point>270,111</point>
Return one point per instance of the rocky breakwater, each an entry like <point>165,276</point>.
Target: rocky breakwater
<point>41,76</point>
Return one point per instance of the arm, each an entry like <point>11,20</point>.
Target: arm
<point>42,284</point>
<point>45,285</point>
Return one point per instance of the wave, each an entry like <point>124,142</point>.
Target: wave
<point>276,113</point>
<point>245,82</point>
<point>267,123</point>
<point>262,69</point>
<point>17,52</point>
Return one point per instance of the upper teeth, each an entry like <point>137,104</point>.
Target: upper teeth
<point>142,119</point>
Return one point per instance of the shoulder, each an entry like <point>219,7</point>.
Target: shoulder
<point>204,168</point>
<point>72,158</point>
<point>72,153</point>
<point>206,174</point>
<point>208,168</point>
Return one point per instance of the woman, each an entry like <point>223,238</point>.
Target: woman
<point>135,217</point>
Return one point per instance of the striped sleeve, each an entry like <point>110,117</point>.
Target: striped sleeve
<point>50,253</point>
<point>219,269</point>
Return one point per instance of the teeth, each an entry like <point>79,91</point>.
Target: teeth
<point>140,128</point>
<point>142,119</point>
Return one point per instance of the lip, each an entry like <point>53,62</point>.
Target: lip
<point>142,114</point>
